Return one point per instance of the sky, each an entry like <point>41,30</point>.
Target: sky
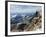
<point>23,8</point>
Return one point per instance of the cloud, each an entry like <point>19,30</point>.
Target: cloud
<point>23,8</point>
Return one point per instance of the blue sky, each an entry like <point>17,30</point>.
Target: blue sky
<point>23,8</point>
